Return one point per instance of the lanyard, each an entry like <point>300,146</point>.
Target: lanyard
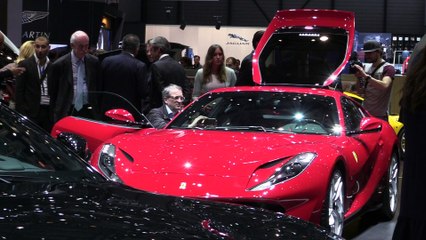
<point>42,76</point>
<point>41,70</point>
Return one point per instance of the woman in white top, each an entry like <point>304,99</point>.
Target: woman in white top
<point>214,73</point>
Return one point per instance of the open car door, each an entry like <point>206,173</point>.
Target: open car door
<point>109,115</point>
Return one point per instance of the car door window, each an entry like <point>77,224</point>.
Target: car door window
<point>352,114</point>
<point>101,102</point>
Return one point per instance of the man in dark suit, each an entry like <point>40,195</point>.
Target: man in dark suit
<point>245,76</point>
<point>126,76</point>
<point>32,99</point>
<point>164,70</point>
<point>172,103</point>
<point>71,77</point>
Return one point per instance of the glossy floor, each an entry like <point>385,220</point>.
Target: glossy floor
<point>370,227</point>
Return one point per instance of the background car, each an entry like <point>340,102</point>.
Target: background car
<point>293,144</point>
<point>48,192</point>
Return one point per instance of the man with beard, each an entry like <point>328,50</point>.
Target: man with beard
<point>32,98</point>
<point>375,80</point>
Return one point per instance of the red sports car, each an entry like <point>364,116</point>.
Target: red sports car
<point>294,144</point>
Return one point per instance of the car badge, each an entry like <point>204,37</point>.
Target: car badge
<point>355,156</point>
<point>182,185</point>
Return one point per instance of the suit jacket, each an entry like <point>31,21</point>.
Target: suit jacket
<point>245,75</point>
<point>28,88</point>
<point>166,71</point>
<point>127,76</point>
<point>159,117</point>
<point>5,74</point>
<point>61,83</point>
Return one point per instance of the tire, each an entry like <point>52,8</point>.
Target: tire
<point>390,190</point>
<point>401,143</point>
<point>332,214</point>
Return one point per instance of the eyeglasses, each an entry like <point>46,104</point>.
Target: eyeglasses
<point>177,98</point>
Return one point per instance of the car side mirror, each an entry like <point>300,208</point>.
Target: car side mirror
<point>370,124</point>
<point>76,144</point>
<point>120,115</point>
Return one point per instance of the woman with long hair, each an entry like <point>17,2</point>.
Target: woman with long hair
<point>411,222</point>
<point>214,73</point>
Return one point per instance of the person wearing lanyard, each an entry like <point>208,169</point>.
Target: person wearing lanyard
<point>32,99</point>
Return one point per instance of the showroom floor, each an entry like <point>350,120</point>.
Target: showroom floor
<point>369,227</point>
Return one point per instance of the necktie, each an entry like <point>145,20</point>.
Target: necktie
<point>79,97</point>
<point>171,115</point>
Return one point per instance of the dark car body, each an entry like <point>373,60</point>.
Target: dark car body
<point>48,192</point>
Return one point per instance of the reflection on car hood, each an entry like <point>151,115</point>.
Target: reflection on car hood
<point>109,211</point>
<point>213,152</point>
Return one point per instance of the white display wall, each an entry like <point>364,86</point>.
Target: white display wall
<point>235,41</point>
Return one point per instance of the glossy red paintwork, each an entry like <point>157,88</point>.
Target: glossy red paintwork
<point>94,132</point>
<point>224,165</point>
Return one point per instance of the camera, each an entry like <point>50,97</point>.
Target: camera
<point>352,69</point>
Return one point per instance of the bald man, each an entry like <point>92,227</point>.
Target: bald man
<point>71,77</point>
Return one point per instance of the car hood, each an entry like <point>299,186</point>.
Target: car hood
<point>304,23</point>
<point>213,152</point>
<point>192,163</point>
<point>113,211</point>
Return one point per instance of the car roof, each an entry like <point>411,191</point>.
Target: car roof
<point>305,18</point>
<point>319,90</point>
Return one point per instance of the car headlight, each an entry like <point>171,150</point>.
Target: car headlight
<point>289,170</point>
<point>107,162</point>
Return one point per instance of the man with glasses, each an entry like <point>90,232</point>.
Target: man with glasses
<point>172,103</point>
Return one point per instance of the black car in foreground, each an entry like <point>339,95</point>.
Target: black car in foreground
<point>48,192</point>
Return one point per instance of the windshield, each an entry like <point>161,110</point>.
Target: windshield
<point>302,55</point>
<point>26,150</point>
<point>261,111</point>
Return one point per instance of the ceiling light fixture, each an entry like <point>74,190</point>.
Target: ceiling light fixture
<point>218,23</point>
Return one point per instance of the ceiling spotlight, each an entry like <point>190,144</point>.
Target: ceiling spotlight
<point>182,26</point>
<point>218,24</point>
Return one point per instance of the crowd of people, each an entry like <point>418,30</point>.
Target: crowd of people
<point>47,89</point>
